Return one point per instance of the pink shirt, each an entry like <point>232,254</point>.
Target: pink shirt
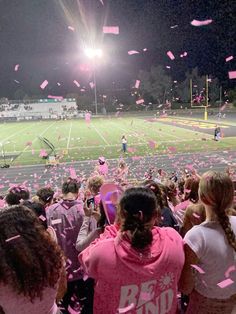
<point>13,303</point>
<point>128,281</point>
<point>103,169</point>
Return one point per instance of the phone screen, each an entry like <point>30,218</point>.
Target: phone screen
<point>91,201</point>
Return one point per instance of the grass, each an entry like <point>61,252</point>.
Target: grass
<point>74,140</point>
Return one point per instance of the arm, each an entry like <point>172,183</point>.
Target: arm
<point>186,283</point>
<point>85,237</point>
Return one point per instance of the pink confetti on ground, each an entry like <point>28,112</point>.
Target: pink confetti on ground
<point>229,270</point>
<point>12,238</point>
<point>201,23</point>
<point>132,52</point>
<point>44,84</point>
<point>152,144</point>
<point>76,83</point>
<point>140,101</point>
<point>126,309</point>
<point>225,283</point>
<point>137,83</point>
<point>111,30</point>
<point>199,269</point>
<point>71,28</point>
<point>229,58</point>
<point>170,55</point>
<point>55,97</point>
<point>232,75</point>
<point>16,67</point>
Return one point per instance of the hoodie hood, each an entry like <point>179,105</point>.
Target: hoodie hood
<point>144,261</point>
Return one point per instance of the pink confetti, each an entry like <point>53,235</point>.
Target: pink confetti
<point>174,26</point>
<point>76,83</point>
<point>42,218</point>
<point>56,221</point>
<point>43,153</point>
<point>229,270</point>
<point>44,84</point>
<point>126,309</point>
<point>170,55</point>
<point>73,174</point>
<point>232,75</point>
<point>91,84</point>
<point>72,311</point>
<point>131,149</point>
<point>58,84</point>
<point>101,2</point>
<point>152,144</point>
<point>55,97</point>
<point>229,58</point>
<point>111,30</point>
<point>144,49</point>
<point>168,67</point>
<point>225,283</point>
<point>140,101</point>
<point>16,67</point>
<point>132,52</point>
<point>137,83</point>
<point>12,238</point>
<point>71,28</point>
<point>196,215</point>
<point>201,23</point>
<point>199,269</point>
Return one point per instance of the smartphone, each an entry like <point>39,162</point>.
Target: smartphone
<point>91,202</point>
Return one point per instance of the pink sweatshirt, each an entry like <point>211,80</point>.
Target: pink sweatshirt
<point>128,281</point>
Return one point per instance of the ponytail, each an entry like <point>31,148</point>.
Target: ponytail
<point>223,219</point>
<point>138,208</point>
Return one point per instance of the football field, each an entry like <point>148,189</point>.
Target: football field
<point>75,140</point>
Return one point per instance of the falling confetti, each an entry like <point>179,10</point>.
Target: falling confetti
<point>225,283</point>
<point>44,84</point>
<point>132,52</point>
<point>201,23</point>
<point>12,238</point>
<point>111,30</point>
<point>170,55</point>
<point>232,75</point>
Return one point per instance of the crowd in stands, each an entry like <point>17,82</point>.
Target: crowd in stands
<point>166,244</point>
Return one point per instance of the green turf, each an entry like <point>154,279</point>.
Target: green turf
<point>103,137</point>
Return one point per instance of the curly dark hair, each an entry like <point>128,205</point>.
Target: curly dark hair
<point>30,260</point>
<point>70,186</point>
<point>16,194</point>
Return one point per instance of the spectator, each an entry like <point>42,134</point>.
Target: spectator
<point>31,264</point>
<point>142,262</point>
<point>121,172</point>
<point>66,217</point>
<point>212,246</point>
<point>194,215</point>
<point>102,167</point>
<point>17,194</point>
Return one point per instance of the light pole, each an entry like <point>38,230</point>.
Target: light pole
<point>94,54</point>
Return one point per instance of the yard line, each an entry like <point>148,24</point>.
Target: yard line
<point>102,137</point>
<point>68,141</point>
<point>16,133</point>
<point>35,139</point>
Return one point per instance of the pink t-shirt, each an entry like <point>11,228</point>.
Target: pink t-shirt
<point>13,303</point>
<point>103,169</point>
<point>128,281</point>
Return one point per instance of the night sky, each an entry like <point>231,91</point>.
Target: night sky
<point>35,35</point>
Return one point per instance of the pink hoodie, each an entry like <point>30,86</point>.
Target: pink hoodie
<point>128,281</point>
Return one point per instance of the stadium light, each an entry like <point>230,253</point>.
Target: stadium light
<point>94,54</point>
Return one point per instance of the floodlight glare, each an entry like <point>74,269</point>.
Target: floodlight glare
<point>93,53</point>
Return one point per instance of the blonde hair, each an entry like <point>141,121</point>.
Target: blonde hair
<point>216,190</point>
<point>95,183</point>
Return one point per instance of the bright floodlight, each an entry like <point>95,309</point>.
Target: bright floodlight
<point>93,53</point>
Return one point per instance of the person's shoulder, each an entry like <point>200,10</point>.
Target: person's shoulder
<point>168,232</point>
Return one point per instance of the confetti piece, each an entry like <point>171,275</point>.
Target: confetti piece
<point>72,311</point>
<point>16,67</point>
<point>101,1</point>
<point>196,216</point>
<point>144,49</point>
<point>140,101</point>
<point>168,67</point>
<point>152,144</point>
<point>43,153</point>
<point>126,309</point>
<point>132,52</point>
<point>111,30</point>
<point>174,26</point>
<point>58,84</point>
<point>170,55</point>
<point>225,283</point>
<point>55,97</point>
<point>76,83</point>
<point>229,270</point>
<point>73,174</point>
<point>137,83</point>
<point>42,217</point>
<point>16,81</point>
<point>229,58</point>
<point>12,238</point>
<point>56,221</point>
<point>71,28</point>
<point>201,23</point>
<point>232,75</point>
<point>199,269</point>
<point>91,84</point>
<point>44,84</point>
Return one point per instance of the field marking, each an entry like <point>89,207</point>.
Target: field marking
<point>102,137</point>
<point>117,145</point>
<point>68,141</point>
<point>38,136</point>
<point>16,133</point>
